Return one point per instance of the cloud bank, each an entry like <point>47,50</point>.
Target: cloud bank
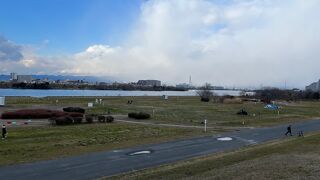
<point>241,43</point>
<point>9,51</point>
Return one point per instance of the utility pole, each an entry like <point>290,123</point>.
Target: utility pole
<point>285,85</point>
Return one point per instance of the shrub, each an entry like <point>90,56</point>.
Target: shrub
<point>37,114</point>
<point>205,93</point>
<point>242,112</point>
<point>77,120</point>
<point>101,118</point>
<point>75,115</point>
<point>205,99</point>
<point>104,119</point>
<point>63,120</point>
<point>110,119</point>
<point>74,109</point>
<point>140,115</point>
<point>89,119</point>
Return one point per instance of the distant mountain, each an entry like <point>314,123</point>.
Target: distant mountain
<point>65,77</point>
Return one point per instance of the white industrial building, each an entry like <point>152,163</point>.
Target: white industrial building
<point>315,87</point>
<point>13,76</point>
<point>24,78</point>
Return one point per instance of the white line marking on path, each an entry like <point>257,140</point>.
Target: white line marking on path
<point>140,152</point>
<point>224,139</point>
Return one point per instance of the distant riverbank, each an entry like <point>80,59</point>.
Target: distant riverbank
<point>78,85</point>
<point>59,92</point>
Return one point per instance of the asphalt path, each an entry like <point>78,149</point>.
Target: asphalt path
<point>96,165</point>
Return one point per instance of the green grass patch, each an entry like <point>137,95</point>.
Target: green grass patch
<point>38,143</point>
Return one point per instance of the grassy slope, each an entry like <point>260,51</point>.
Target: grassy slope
<point>293,158</point>
<point>37,143</point>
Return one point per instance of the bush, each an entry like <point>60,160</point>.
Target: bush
<point>37,114</point>
<point>89,119</point>
<point>74,109</point>
<point>110,119</point>
<point>101,118</point>
<point>104,119</point>
<point>205,93</point>
<point>77,120</point>
<point>140,115</point>
<point>75,115</point>
<point>205,99</point>
<point>242,112</point>
<point>66,120</point>
<point>63,120</point>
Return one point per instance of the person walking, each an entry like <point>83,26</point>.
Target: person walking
<point>4,132</point>
<point>289,131</point>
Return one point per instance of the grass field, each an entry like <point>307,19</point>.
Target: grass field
<point>293,158</point>
<point>38,143</point>
<point>47,142</point>
<point>184,110</point>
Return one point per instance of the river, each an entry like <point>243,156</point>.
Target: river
<point>61,92</point>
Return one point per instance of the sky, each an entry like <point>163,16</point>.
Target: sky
<point>241,43</point>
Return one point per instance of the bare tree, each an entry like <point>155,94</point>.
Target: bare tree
<point>205,93</point>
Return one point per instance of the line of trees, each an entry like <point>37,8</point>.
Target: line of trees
<point>266,95</point>
<point>289,95</point>
<point>115,86</point>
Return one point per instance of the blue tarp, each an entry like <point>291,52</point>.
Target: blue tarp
<point>272,107</point>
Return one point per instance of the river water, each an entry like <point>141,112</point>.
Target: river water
<point>61,92</point>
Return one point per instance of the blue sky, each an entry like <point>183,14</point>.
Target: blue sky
<point>69,25</point>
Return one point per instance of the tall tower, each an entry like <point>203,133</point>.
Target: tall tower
<point>190,80</point>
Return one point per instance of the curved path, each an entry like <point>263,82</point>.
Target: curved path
<point>95,165</point>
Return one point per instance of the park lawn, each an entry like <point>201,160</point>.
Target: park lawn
<point>39,143</point>
<point>292,158</point>
<point>184,110</point>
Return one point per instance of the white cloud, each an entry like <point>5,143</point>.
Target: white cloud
<point>242,43</point>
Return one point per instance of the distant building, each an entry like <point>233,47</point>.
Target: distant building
<point>315,87</point>
<point>149,83</point>
<point>183,85</point>
<point>13,76</point>
<point>24,78</point>
<point>217,87</point>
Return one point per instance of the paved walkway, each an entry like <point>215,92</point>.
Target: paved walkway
<point>95,165</point>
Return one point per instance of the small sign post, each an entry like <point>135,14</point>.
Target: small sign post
<point>2,101</point>
<point>205,125</point>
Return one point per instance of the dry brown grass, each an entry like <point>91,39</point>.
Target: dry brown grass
<point>279,166</point>
<point>294,158</point>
